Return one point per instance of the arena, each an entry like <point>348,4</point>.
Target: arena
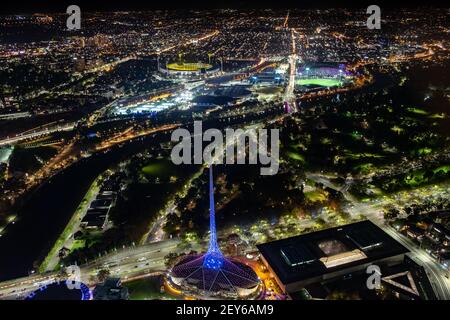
<point>188,69</point>
<point>312,76</point>
<point>206,276</point>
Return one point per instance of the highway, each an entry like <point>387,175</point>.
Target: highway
<point>289,96</point>
<point>126,263</point>
<point>434,270</point>
<point>21,137</point>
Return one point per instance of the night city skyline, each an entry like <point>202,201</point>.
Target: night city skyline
<point>227,152</point>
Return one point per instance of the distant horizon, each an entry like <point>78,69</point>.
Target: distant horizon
<point>25,7</point>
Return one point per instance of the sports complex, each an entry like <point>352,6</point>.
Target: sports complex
<point>188,69</point>
<point>315,76</point>
<point>188,66</point>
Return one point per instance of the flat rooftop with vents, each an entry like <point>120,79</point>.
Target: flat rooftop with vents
<point>318,256</point>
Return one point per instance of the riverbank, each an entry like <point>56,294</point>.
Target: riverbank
<point>46,211</point>
<point>51,260</point>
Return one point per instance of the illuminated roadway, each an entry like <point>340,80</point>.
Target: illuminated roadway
<point>20,137</point>
<point>129,263</point>
<point>149,258</point>
<point>435,271</point>
<point>289,97</point>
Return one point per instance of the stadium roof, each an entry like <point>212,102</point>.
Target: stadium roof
<point>188,66</point>
<point>230,276</point>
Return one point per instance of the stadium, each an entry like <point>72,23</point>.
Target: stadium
<point>184,69</point>
<point>212,275</point>
<point>188,67</point>
<point>316,76</point>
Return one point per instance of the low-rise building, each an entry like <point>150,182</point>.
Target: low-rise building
<point>329,254</point>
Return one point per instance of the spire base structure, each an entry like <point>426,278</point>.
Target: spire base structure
<point>212,274</point>
<point>213,257</point>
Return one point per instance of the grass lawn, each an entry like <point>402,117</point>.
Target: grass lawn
<point>397,129</point>
<point>424,151</point>
<point>356,156</point>
<point>159,168</point>
<point>364,168</point>
<point>416,178</point>
<point>356,135</point>
<point>445,169</point>
<point>296,156</point>
<point>316,196</point>
<point>77,244</point>
<point>146,289</point>
<point>417,111</point>
<point>437,116</point>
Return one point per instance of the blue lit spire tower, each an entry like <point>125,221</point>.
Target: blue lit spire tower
<point>211,274</point>
<point>214,257</point>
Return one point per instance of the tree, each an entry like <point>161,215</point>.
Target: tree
<point>62,274</point>
<point>172,224</point>
<point>103,274</point>
<point>391,214</point>
<point>170,258</point>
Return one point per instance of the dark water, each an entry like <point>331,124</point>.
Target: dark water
<point>46,213</point>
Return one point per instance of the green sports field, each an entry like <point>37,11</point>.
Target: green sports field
<point>319,82</point>
<point>184,66</point>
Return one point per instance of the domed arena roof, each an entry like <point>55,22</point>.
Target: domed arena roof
<point>215,275</point>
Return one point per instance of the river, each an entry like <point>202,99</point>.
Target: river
<point>48,210</point>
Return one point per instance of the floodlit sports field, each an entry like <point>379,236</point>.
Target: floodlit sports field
<point>188,66</point>
<point>319,82</point>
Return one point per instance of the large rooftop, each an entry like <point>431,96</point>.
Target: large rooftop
<point>313,254</point>
<point>228,278</point>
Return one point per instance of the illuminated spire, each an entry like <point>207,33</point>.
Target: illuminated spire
<point>214,257</point>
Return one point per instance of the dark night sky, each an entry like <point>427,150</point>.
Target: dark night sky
<point>33,6</point>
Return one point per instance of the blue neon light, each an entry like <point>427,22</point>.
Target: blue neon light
<point>214,257</point>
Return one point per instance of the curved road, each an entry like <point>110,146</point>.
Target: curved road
<point>126,263</point>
